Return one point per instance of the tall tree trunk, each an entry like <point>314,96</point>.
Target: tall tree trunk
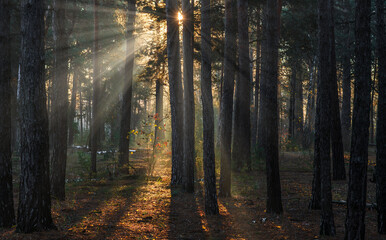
<point>356,199</point>
<point>255,115</point>
<point>159,93</point>
<point>381,119</point>
<point>310,118</point>
<point>291,110</point>
<point>269,137</point>
<point>176,94</point>
<point>226,107</point>
<point>127,91</point>
<point>189,153</point>
<point>81,119</point>
<point>59,100</point>
<point>339,171</point>
<point>327,71</point>
<point>372,105</point>
<point>315,203</point>
<point>34,212</point>
<point>211,205</point>
<point>96,115</point>
<point>241,151</point>
<point>346,102</point>
<point>7,212</point>
<point>72,114</point>
<point>298,110</point>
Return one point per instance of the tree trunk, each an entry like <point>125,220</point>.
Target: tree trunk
<point>226,107</point>
<point>34,212</point>
<point>339,171</point>
<point>291,111</point>
<point>327,71</point>
<point>7,212</point>
<point>176,94</point>
<point>241,152</point>
<point>298,110</point>
<point>346,103</point>
<point>59,101</point>
<point>96,115</point>
<point>356,199</point>
<point>381,119</point>
<point>310,118</point>
<point>211,205</point>
<point>127,91</point>
<point>269,137</point>
<point>255,115</point>
<point>159,93</point>
<point>189,151</point>
<point>74,91</point>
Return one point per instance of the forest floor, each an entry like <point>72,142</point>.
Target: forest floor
<point>139,207</point>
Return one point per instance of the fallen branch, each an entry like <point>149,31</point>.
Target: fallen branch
<point>368,205</point>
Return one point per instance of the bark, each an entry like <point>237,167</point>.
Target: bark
<point>59,106</point>
<point>241,152</point>
<point>310,116</point>
<point>339,171</point>
<point>95,120</point>
<point>316,192</point>
<point>346,85</point>
<point>176,94</point>
<point>71,130</point>
<point>159,93</point>
<point>381,119</point>
<point>189,151</point>
<point>298,110</point>
<point>127,91</point>
<point>327,71</point>
<point>356,199</point>
<point>291,111</point>
<point>269,137</point>
<point>7,212</point>
<point>255,115</point>
<point>211,205</point>
<point>34,212</point>
<point>226,107</point>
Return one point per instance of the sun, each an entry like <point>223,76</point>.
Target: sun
<point>180,17</point>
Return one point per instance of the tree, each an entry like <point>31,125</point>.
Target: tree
<point>327,70</point>
<point>241,152</point>
<point>269,136</point>
<point>7,212</point>
<point>96,115</point>
<point>255,115</point>
<point>72,109</point>
<point>339,171</point>
<point>127,91</point>
<point>34,212</point>
<point>211,205</point>
<point>346,83</point>
<point>226,106</point>
<point>59,100</point>
<point>175,86</point>
<point>356,199</point>
<point>189,154</point>
<point>381,119</point>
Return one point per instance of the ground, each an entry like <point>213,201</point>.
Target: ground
<point>135,206</point>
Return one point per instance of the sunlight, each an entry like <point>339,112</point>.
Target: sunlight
<point>180,17</point>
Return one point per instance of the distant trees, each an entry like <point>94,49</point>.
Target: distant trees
<point>34,212</point>
<point>269,137</point>
<point>127,90</point>
<point>7,214</point>
<point>356,199</point>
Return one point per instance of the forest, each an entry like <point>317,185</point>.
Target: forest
<point>192,119</point>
